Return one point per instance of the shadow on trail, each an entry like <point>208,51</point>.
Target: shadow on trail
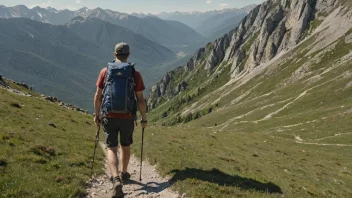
<point>211,176</point>
<point>223,179</point>
<point>150,187</point>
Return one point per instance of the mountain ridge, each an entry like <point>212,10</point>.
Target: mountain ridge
<point>209,22</point>
<point>153,28</point>
<point>58,61</point>
<point>239,56</point>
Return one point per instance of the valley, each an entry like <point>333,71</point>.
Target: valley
<point>63,51</point>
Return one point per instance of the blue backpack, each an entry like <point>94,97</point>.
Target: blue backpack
<point>119,91</point>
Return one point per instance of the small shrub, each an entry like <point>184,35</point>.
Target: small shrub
<point>16,105</point>
<point>189,117</point>
<point>11,143</point>
<point>77,164</point>
<point>3,163</point>
<point>55,165</point>
<point>59,179</point>
<point>41,160</point>
<point>43,150</point>
<point>5,137</point>
<point>255,155</point>
<point>197,116</point>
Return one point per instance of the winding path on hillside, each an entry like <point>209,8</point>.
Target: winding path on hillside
<point>151,186</point>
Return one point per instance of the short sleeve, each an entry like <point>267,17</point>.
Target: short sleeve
<point>139,82</point>
<point>101,79</point>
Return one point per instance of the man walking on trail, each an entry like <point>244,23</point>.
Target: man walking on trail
<point>115,101</point>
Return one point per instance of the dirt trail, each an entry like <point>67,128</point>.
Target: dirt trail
<point>152,184</point>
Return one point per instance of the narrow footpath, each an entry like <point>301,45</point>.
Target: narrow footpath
<point>151,186</point>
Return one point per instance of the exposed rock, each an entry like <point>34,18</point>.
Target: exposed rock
<point>218,53</point>
<point>266,32</point>
<point>348,38</point>
<point>181,87</point>
<point>81,110</point>
<point>191,64</point>
<point>2,82</point>
<point>50,98</point>
<point>274,43</point>
<point>298,19</point>
<point>164,82</point>
<point>23,85</point>
<point>164,115</point>
<point>238,59</point>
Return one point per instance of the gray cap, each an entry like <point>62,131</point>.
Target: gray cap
<point>122,48</point>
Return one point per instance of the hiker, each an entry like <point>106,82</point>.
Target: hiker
<point>119,91</point>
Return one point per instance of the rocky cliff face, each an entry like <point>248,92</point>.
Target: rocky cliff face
<point>269,29</point>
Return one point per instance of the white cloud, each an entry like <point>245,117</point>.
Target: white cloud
<point>78,1</point>
<point>224,5</point>
<point>208,2</point>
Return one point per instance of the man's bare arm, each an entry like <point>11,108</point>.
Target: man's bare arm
<point>97,104</point>
<point>142,106</point>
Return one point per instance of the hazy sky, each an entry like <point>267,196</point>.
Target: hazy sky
<point>145,6</point>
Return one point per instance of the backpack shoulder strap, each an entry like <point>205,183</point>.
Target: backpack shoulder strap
<point>133,69</point>
<point>106,75</point>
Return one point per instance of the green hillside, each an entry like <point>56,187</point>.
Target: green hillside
<point>46,149</point>
<point>298,136</point>
<point>261,122</point>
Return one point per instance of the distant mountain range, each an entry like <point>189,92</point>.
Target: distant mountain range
<point>210,23</point>
<point>65,60</point>
<point>106,35</point>
<point>171,34</point>
<point>60,52</point>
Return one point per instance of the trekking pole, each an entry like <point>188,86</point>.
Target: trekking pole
<point>95,148</point>
<point>140,172</point>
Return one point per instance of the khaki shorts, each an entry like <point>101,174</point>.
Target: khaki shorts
<point>113,127</point>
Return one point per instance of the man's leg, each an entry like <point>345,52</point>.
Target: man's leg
<point>113,165</point>
<point>111,131</point>
<point>111,141</point>
<point>113,161</point>
<point>126,139</point>
<point>125,157</point>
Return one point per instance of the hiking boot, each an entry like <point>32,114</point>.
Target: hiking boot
<point>124,177</point>
<point>117,189</point>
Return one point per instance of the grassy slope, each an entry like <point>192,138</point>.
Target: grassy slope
<point>31,171</point>
<point>253,164</point>
<point>296,149</point>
